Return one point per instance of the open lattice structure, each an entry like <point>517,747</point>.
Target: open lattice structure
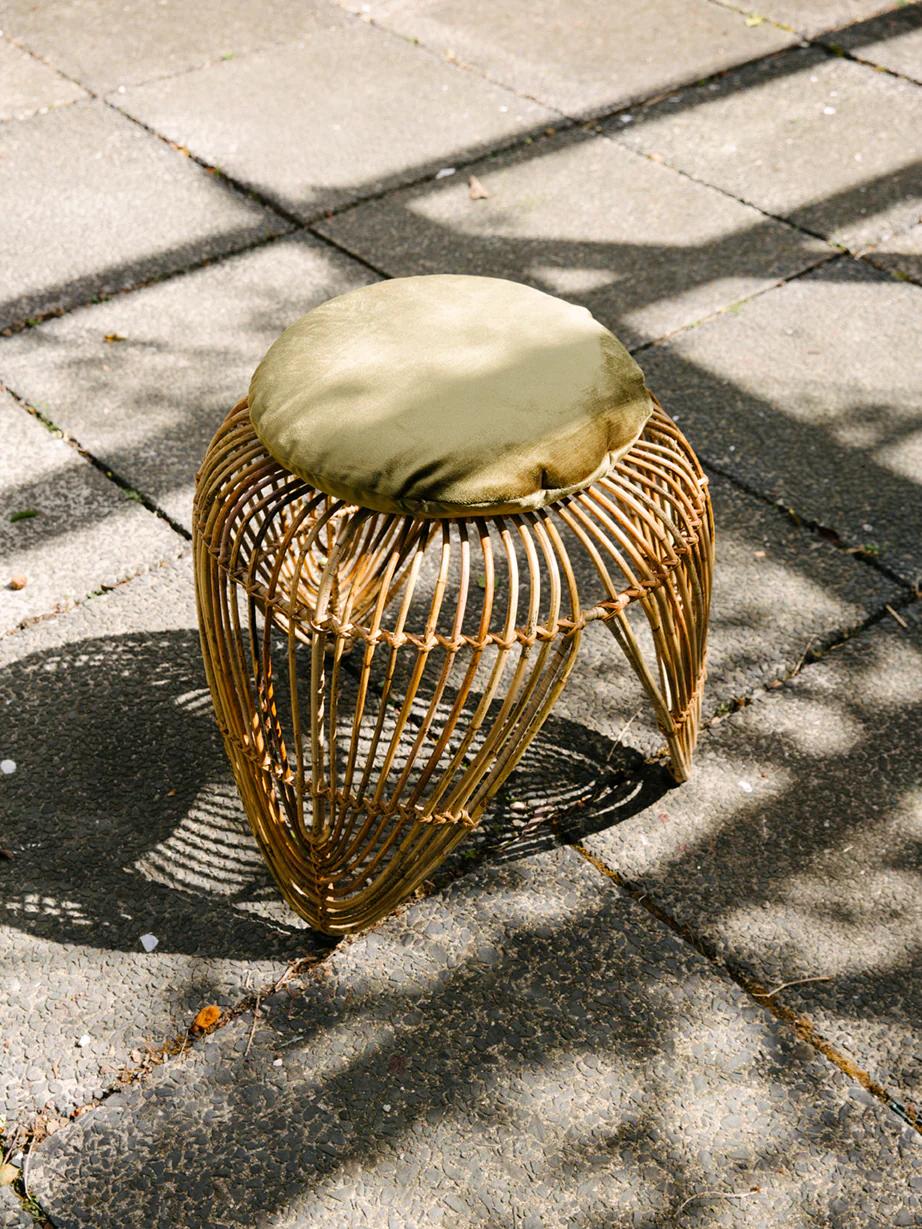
<point>377,677</point>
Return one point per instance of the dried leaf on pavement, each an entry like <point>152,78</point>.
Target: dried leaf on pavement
<point>206,1018</point>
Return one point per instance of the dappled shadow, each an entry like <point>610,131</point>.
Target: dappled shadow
<point>572,781</point>
<point>123,805</point>
<point>530,1040</point>
<point>555,1045</point>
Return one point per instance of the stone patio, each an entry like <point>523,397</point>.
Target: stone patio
<point>620,1004</point>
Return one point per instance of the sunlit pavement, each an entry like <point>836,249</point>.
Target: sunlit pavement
<point>620,1004</point>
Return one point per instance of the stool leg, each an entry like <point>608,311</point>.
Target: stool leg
<point>648,529</point>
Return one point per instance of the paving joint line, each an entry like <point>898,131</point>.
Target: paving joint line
<point>78,603</point>
<point>538,134</point>
<point>33,1134</point>
<point>800,1024</point>
<point>816,650</point>
<point>122,483</point>
<point>38,318</point>
<point>898,274</point>
<point>816,40</point>
<point>827,533</point>
<point>823,258</point>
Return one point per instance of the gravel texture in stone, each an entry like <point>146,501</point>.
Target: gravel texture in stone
<point>148,404</point>
<point>794,850</point>
<point>892,41</point>
<point>81,215</point>
<point>88,39</point>
<point>12,1214</point>
<point>343,114</point>
<point>64,529</point>
<point>645,249</point>
<point>121,820</point>
<point>588,56</point>
<point>812,395</point>
<point>832,145</point>
<point>529,1047</point>
<point>27,85</point>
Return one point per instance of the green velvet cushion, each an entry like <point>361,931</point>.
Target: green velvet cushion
<point>448,396</point>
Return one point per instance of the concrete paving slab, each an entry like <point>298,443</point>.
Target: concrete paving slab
<point>811,395</point>
<point>528,1048</point>
<point>88,39</point>
<point>80,218</point>
<point>588,57</point>
<point>901,255</point>
<point>64,528</point>
<point>645,249</point>
<point>827,143</point>
<point>149,404</point>
<point>812,17</point>
<point>332,118</point>
<point>27,85</point>
<point>794,850</point>
<point>122,820</point>
<point>892,41</point>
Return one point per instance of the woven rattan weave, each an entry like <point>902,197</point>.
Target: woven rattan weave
<point>376,677</point>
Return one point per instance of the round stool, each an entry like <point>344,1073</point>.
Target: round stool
<point>433,486</point>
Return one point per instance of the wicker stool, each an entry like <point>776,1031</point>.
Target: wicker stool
<point>434,485</point>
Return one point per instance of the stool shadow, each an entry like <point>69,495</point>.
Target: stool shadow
<point>571,782</point>
<point>123,817</point>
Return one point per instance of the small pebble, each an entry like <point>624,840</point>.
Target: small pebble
<point>276,1062</point>
<point>829,110</point>
<point>149,942</point>
<point>7,767</point>
<point>745,787</point>
<point>17,582</point>
<point>84,1041</point>
<point>445,172</point>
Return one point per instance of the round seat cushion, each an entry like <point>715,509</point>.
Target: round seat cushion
<point>448,396</point>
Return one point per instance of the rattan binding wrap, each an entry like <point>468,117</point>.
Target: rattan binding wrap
<point>377,677</point>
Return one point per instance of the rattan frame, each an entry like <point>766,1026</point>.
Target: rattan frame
<point>359,773</point>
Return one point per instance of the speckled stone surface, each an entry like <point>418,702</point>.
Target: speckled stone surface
<point>346,85</point>
<point>12,1214</point>
<point>795,848</point>
<point>812,395</point>
<point>830,144</point>
<point>27,85</point>
<point>75,531</point>
<point>149,404</point>
<point>645,249</point>
<point>122,820</point>
<point>78,226</point>
<point>589,56</point>
<point>527,1048</point>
